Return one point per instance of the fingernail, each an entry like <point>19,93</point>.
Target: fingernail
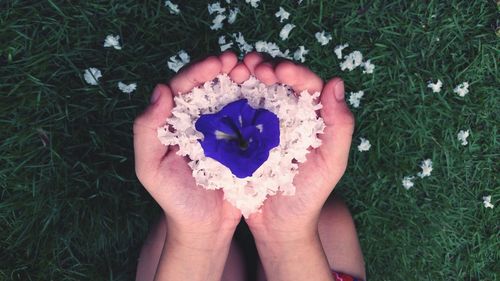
<point>339,91</point>
<point>156,95</point>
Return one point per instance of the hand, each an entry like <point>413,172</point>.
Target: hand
<point>166,176</point>
<point>289,218</point>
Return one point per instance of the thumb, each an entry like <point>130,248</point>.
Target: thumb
<point>148,150</point>
<point>339,121</point>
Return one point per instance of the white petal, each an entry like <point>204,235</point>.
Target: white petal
<point>92,75</point>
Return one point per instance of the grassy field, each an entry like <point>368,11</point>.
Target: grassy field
<point>71,207</point>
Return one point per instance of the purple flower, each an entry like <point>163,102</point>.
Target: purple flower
<point>239,136</point>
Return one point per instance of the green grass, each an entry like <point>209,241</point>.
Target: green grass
<point>71,207</point>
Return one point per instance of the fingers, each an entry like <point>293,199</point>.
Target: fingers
<point>251,60</point>
<point>265,73</point>
<point>196,75</point>
<point>148,150</point>
<point>228,60</point>
<point>298,77</point>
<point>339,121</point>
<point>240,73</point>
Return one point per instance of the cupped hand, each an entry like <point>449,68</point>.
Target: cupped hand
<point>293,217</point>
<point>166,175</point>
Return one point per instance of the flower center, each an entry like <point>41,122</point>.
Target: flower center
<point>236,136</point>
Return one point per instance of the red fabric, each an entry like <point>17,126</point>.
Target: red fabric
<point>344,277</point>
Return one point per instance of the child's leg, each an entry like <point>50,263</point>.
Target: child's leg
<point>338,235</point>
<point>152,248</point>
<point>339,239</point>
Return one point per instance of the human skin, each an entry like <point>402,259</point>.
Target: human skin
<point>286,231</point>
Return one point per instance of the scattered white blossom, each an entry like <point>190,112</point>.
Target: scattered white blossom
<point>355,98</point>
<point>487,202</point>
<point>92,75</point>
<point>176,62</point>
<point>323,37</point>
<point>299,2</point>
<point>112,41</point>
<point>368,67</point>
<point>172,8</point>
<point>436,87</point>
<point>217,22</point>
<point>338,50</point>
<point>127,89</point>
<point>233,13</point>
<point>285,31</point>
<point>223,44</point>
<point>270,48</point>
<point>462,89</point>
<point>462,136</point>
<point>215,8</point>
<point>352,61</point>
<point>282,14</point>
<point>299,129</point>
<point>364,145</point>
<point>426,167</point>
<point>253,3</point>
<point>242,44</point>
<point>300,53</point>
<point>408,182</point>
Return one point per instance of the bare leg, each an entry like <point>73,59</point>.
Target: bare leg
<point>339,239</point>
<point>152,248</point>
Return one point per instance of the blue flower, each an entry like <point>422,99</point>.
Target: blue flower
<point>239,136</point>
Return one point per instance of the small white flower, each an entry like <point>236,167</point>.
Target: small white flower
<point>408,182</point>
<point>217,22</point>
<point>462,89</point>
<point>172,8</point>
<point>299,2</point>
<point>223,45</point>
<point>368,67</point>
<point>242,44</point>
<point>112,41</point>
<point>487,202</point>
<point>436,87</point>
<point>364,145</point>
<point>215,8</point>
<point>285,31</point>
<point>175,63</point>
<point>253,3</point>
<point>92,75</point>
<point>231,18</point>
<point>323,37</point>
<point>355,98</point>
<point>282,14</point>
<point>352,61</point>
<point>426,167</point>
<point>462,136</point>
<point>127,89</point>
<point>338,50</point>
<point>300,53</point>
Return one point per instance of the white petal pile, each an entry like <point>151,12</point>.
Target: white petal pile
<point>323,38</point>
<point>338,50</point>
<point>92,75</point>
<point>462,89</point>
<point>352,61</point>
<point>176,62</point>
<point>355,98</point>
<point>242,44</point>
<point>282,14</point>
<point>300,53</point>
<point>270,48</point>
<point>368,67</point>
<point>487,202</point>
<point>364,145</point>
<point>299,126</point>
<point>285,31</point>
<point>233,13</point>
<point>215,8</point>
<point>426,167</point>
<point>127,89</point>
<point>112,41</point>
<point>436,87</point>
<point>462,136</point>
<point>172,8</point>
<point>217,22</point>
